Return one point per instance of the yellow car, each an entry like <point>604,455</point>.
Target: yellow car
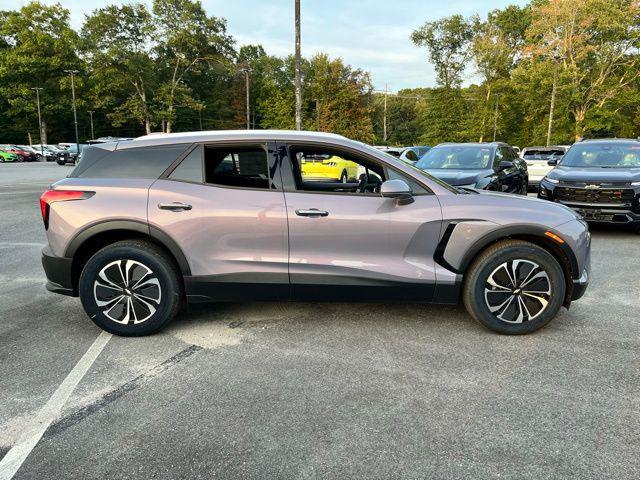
<point>325,167</point>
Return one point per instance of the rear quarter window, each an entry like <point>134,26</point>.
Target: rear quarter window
<point>144,162</point>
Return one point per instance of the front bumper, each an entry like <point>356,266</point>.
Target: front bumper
<point>59,273</point>
<point>580,286</point>
<point>623,212</point>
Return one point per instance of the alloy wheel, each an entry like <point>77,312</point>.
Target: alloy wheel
<point>517,291</point>
<point>127,292</point>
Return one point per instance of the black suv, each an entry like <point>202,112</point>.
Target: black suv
<point>483,166</point>
<point>600,179</point>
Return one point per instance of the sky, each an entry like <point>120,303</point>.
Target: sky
<point>373,35</point>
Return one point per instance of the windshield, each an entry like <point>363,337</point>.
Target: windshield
<point>542,154</point>
<point>603,155</point>
<point>458,157</point>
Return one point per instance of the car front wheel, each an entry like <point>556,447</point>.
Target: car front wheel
<point>130,288</point>
<point>514,287</point>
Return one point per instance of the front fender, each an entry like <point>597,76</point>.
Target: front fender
<point>463,240</point>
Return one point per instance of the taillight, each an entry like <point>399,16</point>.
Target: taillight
<point>51,196</point>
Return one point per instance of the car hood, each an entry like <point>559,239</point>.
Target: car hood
<point>505,209</point>
<point>595,174</point>
<point>460,177</point>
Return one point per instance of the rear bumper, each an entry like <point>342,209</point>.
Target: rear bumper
<point>58,271</point>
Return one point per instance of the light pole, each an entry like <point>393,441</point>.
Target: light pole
<point>37,89</point>
<point>298,80</point>
<point>91,120</point>
<point>556,60</point>
<point>73,97</point>
<point>247,71</point>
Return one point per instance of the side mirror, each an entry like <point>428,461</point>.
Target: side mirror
<point>553,162</point>
<point>397,189</point>
<point>504,165</point>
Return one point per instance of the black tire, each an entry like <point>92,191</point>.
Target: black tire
<point>62,163</point>
<point>115,316</point>
<point>490,266</point>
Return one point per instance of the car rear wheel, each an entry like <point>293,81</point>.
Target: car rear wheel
<point>131,288</point>
<point>514,287</point>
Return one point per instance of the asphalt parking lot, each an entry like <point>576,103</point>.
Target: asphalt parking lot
<point>332,390</point>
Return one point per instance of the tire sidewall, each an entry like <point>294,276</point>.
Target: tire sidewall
<point>544,260</point>
<point>170,291</point>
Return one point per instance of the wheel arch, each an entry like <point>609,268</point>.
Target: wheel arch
<point>99,235</point>
<point>530,233</point>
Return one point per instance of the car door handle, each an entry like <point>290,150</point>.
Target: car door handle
<point>312,212</point>
<point>174,207</point>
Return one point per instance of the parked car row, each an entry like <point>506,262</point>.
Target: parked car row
<point>63,153</point>
<point>599,179</point>
<point>17,153</point>
<point>35,153</point>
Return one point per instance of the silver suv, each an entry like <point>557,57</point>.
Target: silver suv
<point>140,227</point>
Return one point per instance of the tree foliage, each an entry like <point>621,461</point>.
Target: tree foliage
<point>169,65</point>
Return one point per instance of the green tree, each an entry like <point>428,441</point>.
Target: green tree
<point>448,41</point>
<point>189,42</point>
<point>116,43</point>
<point>597,42</point>
<point>37,45</point>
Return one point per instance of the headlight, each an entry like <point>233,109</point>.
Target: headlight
<point>551,180</point>
<point>635,184</point>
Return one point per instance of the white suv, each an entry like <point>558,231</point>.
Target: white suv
<point>538,158</point>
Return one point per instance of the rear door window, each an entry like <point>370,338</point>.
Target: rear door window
<point>237,166</point>
<point>190,169</point>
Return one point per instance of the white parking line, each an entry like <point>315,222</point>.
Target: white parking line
<point>34,430</point>
<point>39,184</point>
<point>21,192</point>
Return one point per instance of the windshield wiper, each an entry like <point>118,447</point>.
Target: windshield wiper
<point>466,190</point>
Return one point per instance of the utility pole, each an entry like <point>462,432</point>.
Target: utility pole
<point>495,119</point>
<point>91,119</point>
<point>73,97</point>
<point>556,60</point>
<point>384,115</point>
<point>247,71</point>
<point>298,80</point>
<point>37,89</point>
